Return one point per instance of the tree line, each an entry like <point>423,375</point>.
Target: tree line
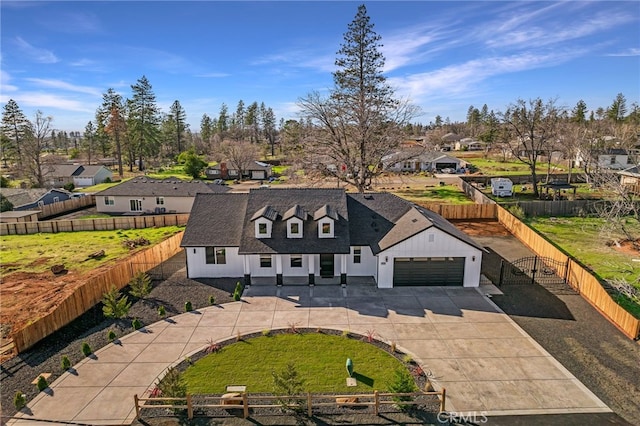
<point>344,134</point>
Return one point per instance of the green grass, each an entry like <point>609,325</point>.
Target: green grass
<point>95,216</point>
<point>279,170</point>
<point>582,238</point>
<point>497,167</point>
<point>319,359</point>
<point>100,187</point>
<point>448,194</point>
<point>38,252</point>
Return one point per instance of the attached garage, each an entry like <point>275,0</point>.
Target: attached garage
<point>428,271</point>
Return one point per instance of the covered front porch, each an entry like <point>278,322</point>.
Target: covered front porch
<point>319,281</point>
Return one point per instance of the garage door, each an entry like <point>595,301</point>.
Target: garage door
<point>428,271</point>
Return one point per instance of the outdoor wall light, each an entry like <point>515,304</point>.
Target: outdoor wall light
<point>473,258</point>
<point>386,258</point>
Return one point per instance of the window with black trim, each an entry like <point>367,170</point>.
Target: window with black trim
<point>215,256</point>
<point>265,261</point>
<point>160,201</point>
<point>262,228</point>
<point>296,261</point>
<point>295,228</point>
<point>109,201</point>
<point>326,228</point>
<point>357,254</point>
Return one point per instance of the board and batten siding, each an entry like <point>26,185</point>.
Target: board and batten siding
<point>198,268</point>
<point>368,266</point>
<point>123,205</point>
<point>431,243</point>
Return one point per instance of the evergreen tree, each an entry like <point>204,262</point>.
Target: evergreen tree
<point>206,129</point>
<point>144,121</point>
<point>361,121</point>
<point>579,112</point>
<point>618,109</point>
<point>111,115</point>
<point>15,128</point>
<point>223,120</point>
<point>180,120</point>
<point>89,139</point>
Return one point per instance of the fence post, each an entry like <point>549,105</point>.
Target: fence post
<point>376,402</point>
<point>534,269</point>
<point>189,407</point>
<point>309,408</point>
<point>135,401</point>
<point>501,271</point>
<point>443,400</point>
<point>245,405</point>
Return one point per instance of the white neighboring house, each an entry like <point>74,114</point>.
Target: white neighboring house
<point>326,236</point>
<point>468,144</point>
<point>58,175</point>
<point>432,161</point>
<point>502,187</point>
<point>611,158</point>
<point>143,195</point>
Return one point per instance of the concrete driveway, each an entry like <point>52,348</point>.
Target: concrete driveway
<point>483,359</point>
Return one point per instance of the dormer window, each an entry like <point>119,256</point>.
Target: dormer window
<point>325,217</point>
<point>326,228</point>
<point>294,217</point>
<point>263,219</point>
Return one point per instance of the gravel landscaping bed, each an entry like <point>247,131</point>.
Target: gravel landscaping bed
<point>17,373</point>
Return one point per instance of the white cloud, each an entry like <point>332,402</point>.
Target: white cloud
<point>633,51</point>
<point>36,54</point>
<point>63,85</point>
<point>47,100</point>
<point>4,82</point>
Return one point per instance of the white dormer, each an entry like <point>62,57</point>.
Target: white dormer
<point>294,218</point>
<point>325,217</point>
<point>263,221</point>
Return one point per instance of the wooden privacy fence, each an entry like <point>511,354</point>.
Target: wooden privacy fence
<point>578,277</point>
<point>101,224</point>
<point>66,206</point>
<point>91,292</point>
<point>556,208</point>
<point>247,402</point>
<point>464,211</point>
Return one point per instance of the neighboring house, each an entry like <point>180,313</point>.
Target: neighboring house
<point>432,161</point>
<point>256,171</point>
<point>318,236</point>
<point>19,216</point>
<point>32,199</point>
<point>468,144</point>
<point>630,176</point>
<point>58,175</point>
<point>143,195</point>
<point>611,158</point>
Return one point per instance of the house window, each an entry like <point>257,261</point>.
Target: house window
<point>262,228</point>
<point>109,201</point>
<point>160,201</point>
<point>357,254</point>
<point>326,228</point>
<point>40,203</point>
<point>296,261</point>
<point>265,261</point>
<point>215,256</point>
<point>136,205</point>
<point>295,228</point>
<point>613,160</point>
<point>56,199</point>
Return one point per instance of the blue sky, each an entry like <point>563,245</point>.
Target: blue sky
<point>60,56</point>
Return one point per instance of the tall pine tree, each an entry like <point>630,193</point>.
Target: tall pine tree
<point>144,121</point>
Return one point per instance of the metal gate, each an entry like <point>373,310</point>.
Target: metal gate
<point>531,270</point>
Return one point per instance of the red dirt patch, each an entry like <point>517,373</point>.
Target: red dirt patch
<point>481,228</point>
<point>629,247</point>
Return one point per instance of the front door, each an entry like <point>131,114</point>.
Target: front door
<point>326,265</point>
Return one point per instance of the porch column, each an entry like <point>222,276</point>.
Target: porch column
<point>247,270</point>
<point>312,275</point>
<point>278,269</point>
<point>343,268</point>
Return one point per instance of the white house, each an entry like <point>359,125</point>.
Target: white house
<point>58,175</point>
<point>611,158</point>
<point>143,195</point>
<point>468,144</point>
<point>319,236</point>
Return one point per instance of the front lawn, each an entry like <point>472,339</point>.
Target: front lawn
<point>319,359</point>
<point>582,238</point>
<point>38,252</point>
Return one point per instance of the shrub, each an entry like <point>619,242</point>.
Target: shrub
<point>162,311</point>
<point>69,187</point>
<point>42,383</point>
<point>212,347</point>
<point>345,333</point>
<point>237,292</point>
<point>407,359</point>
<point>287,382</point>
<point>517,211</point>
<point>266,332</point>
<point>86,349</point>
<point>114,304</point>
<point>111,335</point>
<point>107,180</point>
<point>402,383</point>
<point>19,400</point>
<point>65,363</point>
<point>188,307</point>
<point>173,386</point>
<point>212,300</point>
<point>140,285</point>
<point>136,324</point>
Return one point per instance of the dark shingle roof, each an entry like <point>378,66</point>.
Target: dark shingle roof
<point>378,220</point>
<point>266,211</point>
<point>309,200</point>
<point>20,197</point>
<point>169,187</point>
<point>216,220</point>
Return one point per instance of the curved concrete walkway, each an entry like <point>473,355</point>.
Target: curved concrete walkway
<point>485,361</point>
